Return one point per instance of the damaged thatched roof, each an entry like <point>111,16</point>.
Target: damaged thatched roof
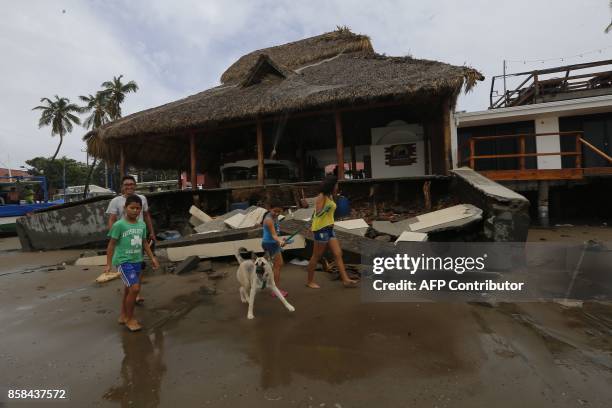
<point>333,69</point>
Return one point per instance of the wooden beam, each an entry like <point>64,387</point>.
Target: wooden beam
<point>353,160</point>
<point>339,145</point>
<point>260,154</point>
<point>122,162</point>
<point>446,105</point>
<point>192,157</point>
<point>522,152</point>
<point>543,174</point>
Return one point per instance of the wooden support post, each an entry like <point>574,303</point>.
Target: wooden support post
<point>543,203</point>
<point>427,195</point>
<point>260,154</point>
<point>472,151</point>
<point>178,179</point>
<point>522,151</point>
<point>353,161</point>
<point>578,151</point>
<point>446,111</point>
<point>122,169</point>
<point>192,157</point>
<point>339,146</point>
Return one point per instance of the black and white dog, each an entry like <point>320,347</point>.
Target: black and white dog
<point>253,275</point>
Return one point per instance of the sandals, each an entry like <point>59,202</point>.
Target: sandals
<point>133,326</point>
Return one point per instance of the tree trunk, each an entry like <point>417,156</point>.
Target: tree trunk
<point>58,147</point>
<point>89,174</point>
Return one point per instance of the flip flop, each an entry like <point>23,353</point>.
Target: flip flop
<point>121,320</point>
<point>140,301</point>
<point>350,285</point>
<point>133,327</point>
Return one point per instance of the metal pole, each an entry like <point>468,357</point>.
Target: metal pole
<point>505,96</point>
<point>105,175</point>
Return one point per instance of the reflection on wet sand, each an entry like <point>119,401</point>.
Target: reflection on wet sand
<point>319,348</point>
<point>142,370</point>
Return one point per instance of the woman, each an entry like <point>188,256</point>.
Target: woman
<point>323,231</point>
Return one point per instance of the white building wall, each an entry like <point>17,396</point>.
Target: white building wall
<point>548,144</point>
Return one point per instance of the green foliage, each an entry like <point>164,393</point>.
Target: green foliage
<point>76,172</point>
<point>115,91</point>
<point>60,115</point>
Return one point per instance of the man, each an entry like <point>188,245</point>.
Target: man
<point>116,211</point>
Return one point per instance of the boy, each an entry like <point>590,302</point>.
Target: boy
<point>271,242</point>
<point>127,239</point>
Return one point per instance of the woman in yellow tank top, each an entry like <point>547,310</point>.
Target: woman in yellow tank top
<point>323,231</point>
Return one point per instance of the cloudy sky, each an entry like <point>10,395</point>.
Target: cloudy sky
<point>176,48</point>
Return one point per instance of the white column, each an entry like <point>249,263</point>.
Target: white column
<point>548,144</point>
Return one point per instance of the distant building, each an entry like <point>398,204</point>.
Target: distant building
<point>552,131</point>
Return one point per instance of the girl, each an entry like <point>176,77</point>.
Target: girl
<point>323,231</point>
<point>271,242</point>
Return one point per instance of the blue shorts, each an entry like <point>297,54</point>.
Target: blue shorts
<point>130,273</point>
<point>324,234</point>
<point>272,248</point>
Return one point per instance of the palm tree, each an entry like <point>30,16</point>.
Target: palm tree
<point>97,106</point>
<point>115,91</point>
<point>58,114</point>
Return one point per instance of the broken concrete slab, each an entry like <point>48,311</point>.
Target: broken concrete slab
<point>389,228</point>
<point>215,225</point>
<point>505,212</point>
<point>352,224</point>
<point>409,236</point>
<point>99,260</point>
<point>230,214</point>
<point>188,264</point>
<point>252,218</point>
<point>226,248</point>
<point>222,236</point>
<point>195,221</point>
<point>235,221</point>
<point>355,231</point>
<point>302,214</point>
<point>199,214</point>
<point>456,216</point>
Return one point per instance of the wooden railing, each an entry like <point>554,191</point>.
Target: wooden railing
<point>472,157</point>
<point>536,85</point>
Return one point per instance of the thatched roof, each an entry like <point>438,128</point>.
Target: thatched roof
<point>333,69</point>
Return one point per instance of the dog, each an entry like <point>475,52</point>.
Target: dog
<point>253,275</point>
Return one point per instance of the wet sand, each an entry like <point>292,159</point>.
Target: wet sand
<point>58,330</point>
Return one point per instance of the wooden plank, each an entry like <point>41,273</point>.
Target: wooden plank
<point>260,154</point>
<point>192,160</point>
<point>339,145</point>
<point>522,152</point>
<point>472,150</point>
<point>578,149</point>
<point>597,171</point>
<point>572,133</point>
<point>122,162</point>
<point>502,156</point>
<point>545,174</point>
<point>446,129</point>
<point>596,150</point>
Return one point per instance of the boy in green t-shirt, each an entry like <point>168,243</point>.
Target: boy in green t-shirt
<point>127,240</point>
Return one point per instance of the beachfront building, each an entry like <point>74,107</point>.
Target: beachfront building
<point>291,112</point>
<point>549,137</point>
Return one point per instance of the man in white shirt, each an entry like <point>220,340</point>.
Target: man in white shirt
<point>116,208</point>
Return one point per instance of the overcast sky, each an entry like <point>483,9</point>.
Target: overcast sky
<point>177,48</point>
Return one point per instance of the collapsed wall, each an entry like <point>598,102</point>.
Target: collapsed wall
<point>505,213</point>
